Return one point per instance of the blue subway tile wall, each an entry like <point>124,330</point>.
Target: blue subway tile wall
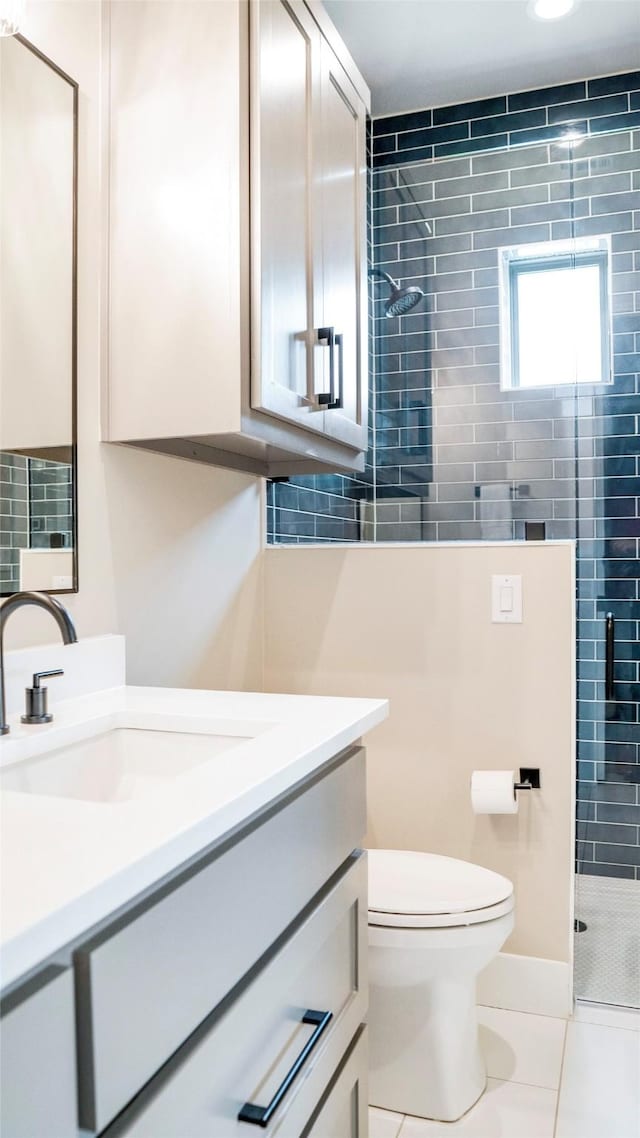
<point>456,457</point>
<point>50,504</point>
<point>590,106</point>
<point>14,518</point>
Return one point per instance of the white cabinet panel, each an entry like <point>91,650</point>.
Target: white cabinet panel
<point>344,1113</point>
<point>286,85</point>
<point>175,217</point>
<point>342,177</point>
<point>38,1059</point>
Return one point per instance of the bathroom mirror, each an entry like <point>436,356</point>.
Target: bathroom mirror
<point>38,239</point>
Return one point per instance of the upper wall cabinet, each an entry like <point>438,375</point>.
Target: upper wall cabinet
<point>308,201</point>
<point>237,251</point>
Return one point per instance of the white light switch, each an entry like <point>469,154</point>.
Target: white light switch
<point>506,600</point>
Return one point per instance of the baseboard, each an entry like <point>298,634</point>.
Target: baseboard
<point>527,984</point>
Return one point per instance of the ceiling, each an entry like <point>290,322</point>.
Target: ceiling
<point>426,53</point>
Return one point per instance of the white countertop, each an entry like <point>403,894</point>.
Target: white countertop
<point>68,863</point>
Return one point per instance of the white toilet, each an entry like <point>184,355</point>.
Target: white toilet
<point>434,924</point>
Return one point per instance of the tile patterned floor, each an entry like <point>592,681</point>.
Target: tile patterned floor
<point>608,951</point>
<point>547,1079</point>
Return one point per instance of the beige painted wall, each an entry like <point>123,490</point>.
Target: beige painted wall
<point>169,551</point>
<point>414,624</point>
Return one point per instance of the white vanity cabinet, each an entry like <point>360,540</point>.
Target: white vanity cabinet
<point>237,251</point>
<point>234,987</point>
<point>38,1058</point>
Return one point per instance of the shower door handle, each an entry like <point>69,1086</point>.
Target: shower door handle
<point>610,643</point>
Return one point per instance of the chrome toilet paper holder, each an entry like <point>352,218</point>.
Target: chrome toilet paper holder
<point>529,779</point>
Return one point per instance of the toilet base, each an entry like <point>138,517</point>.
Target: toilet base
<point>425,1058</point>
<point>424,1053</point>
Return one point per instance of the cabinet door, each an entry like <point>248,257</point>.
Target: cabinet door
<point>38,1058</point>
<point>344,1112</point>
<point>285,99</point>
<point>341,156</point>
<point>176,217</point>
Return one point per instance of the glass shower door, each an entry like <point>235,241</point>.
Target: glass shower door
<point>607,937</point>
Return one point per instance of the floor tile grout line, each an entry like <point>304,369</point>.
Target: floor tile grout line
<point>384,1111</point>
<point>592,1006</point>
<point>520,1083</point>
<point>608,1026</point>
<point>518,1012</point>
<point>562,1061</point>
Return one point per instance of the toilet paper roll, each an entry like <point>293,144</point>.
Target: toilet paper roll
<point>492,792</point>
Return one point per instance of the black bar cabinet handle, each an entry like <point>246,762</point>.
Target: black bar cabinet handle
<point>262,1115</point>
<point>610,624</point>
<point>327,337</point>
<point>339,341</point>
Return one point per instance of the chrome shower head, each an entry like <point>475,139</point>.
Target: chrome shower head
<point>400,300</point>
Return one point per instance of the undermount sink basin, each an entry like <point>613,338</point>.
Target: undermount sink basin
<point>116,765</point>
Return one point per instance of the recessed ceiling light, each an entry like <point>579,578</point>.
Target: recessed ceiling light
<point>550,9</point>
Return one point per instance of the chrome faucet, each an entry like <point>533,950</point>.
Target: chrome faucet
<point>59,614</point>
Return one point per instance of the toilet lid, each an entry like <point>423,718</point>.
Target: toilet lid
<point>401,881</point>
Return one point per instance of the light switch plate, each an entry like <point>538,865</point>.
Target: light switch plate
<point>506,599</point>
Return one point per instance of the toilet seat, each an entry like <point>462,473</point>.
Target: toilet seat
<point>422,890</point>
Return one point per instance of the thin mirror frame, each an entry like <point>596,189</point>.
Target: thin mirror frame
<point>74,316</point>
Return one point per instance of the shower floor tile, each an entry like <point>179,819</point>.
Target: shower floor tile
<point>607,954</point>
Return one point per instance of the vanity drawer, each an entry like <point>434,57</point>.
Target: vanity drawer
<point>37,1058</point>
<point>145,983</point>
<point>243,1055</point>
<point>344,1111</point>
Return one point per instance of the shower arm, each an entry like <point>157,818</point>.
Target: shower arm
<point>383,277</point>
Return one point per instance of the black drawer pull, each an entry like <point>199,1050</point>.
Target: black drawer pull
<point>262,1115</point>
